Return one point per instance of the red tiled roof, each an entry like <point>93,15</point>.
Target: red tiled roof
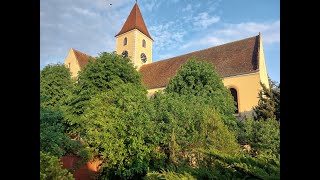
<point>234,58</point>
<point>82,58</point>
<point>135,21</point>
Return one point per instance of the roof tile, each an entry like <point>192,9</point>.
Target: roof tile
<point>83,59</point>
<point>135,21</point>
<point>234,58</point>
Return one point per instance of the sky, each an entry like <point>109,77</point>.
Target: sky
<point>177,26</point>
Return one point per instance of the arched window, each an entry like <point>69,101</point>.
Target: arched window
<point>234,93</point>
<point>143,43</point>
<point>125,41</point>
<point>125,54</point>
<point>143,58</point>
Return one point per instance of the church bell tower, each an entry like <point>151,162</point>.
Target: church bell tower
<point>134,40</point>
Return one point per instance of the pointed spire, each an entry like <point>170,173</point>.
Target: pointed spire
<point>135,21</point>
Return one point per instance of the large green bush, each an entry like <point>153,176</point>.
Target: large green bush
<point>51,168</point>
<point>109,70</point>
<point>201,79</point>
<point>186,123</point>
<point>219,165</point>
<point>55,85</point>
<point>53,138</point>
<point>118,128</point>
<point>263,136</point>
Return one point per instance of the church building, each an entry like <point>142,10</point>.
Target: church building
<point>241,64</point>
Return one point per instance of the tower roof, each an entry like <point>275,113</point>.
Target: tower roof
<point>135,21</point>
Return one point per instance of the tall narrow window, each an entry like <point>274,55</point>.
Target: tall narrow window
<point>69,65</point>
<point>144,43</point>
<point>125,41</point>
<point>234,93</point>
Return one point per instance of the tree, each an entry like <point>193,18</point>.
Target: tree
<point>53,138</point>
<point>55,84</point>
<point>51,168</point>
<point>109,70</point>
<point>201,79</point>
<point>269,102</point>
<point>263,136</point>
<point>219,165</point>
<point>117,127</point>
<point>187,123</point>
<point>276,95</point>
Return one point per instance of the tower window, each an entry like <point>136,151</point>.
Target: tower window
<point>234,94</point>
<point>144,43</point>
<point>125,41</point>
<point>69,65</point>
<point>125,54</point>
<point>143,58</point>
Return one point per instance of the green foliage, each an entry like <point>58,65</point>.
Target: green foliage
<point>52,134</point>
<point>224,166</point>
<point>263,136</point>
<point>202,80</point>
<point>183,133</point>
<point>269,102</point>
<point>275,87</point>
<point>51,168</point>
<point>187,122</point>
<point>117,126</point>
<point>169,175</point>
<point>55,84</point>
<point>109,70</point>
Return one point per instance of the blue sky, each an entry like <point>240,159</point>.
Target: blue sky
<point>177,26</point>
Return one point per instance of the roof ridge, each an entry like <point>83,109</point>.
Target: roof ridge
<point>79,52</point>
<point>258,50</point>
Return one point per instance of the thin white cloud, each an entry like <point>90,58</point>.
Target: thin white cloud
<point>166,35</point>
<point>86,25</point>
<point>151,5</point>
<point>231,32</point>
<point>206,41</point>
<point>84,12</point>
<point>270,30</point>
<point>165,56</point>
<point>204,20</point>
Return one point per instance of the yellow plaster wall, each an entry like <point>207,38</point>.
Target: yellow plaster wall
<point>247,87</point>
<point>130,47</point>
<point>139,49</point>
<point>74,66</point>
<point>153,91</point>
<point>262,66</point>
<point>134,46</point>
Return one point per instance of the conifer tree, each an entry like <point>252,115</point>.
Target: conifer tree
<point>269,102</point>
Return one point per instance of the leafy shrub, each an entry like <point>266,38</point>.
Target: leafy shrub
<point>169,175</point>
<point>263,136</point>
<point>51,168</point>
<point>201,79</point>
